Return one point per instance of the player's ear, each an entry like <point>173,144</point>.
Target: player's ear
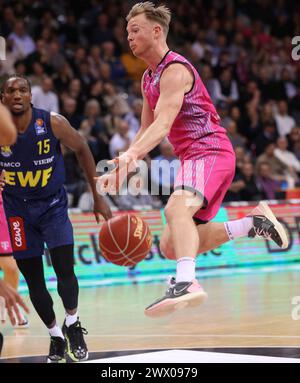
<point>157,30</point>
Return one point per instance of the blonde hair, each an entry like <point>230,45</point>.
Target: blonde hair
<point>160,14</point>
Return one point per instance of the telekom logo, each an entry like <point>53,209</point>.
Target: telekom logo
<point>2,48</point>
<point>4,245</point>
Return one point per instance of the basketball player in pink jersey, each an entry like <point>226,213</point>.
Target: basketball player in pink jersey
<point>177,105</point>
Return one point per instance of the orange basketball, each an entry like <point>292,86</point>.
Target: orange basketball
<point>125,240</point>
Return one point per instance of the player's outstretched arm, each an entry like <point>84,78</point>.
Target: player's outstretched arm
<point>69,137</point>
<point>8,132</point>
<point>175,81</point>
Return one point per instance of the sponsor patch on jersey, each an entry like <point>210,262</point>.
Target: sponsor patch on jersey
<point>6,151</point>
<point>17,231</point>
<point>40,127</point>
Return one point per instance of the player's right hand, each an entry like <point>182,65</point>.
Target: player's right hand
<point>12,300</point>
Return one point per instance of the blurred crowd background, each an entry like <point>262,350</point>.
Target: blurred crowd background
<point>76,56</point>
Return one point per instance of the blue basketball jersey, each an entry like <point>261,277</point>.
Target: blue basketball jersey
<point>34,164</point>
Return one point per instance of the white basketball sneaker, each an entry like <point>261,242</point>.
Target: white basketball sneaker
<point>267,226</point>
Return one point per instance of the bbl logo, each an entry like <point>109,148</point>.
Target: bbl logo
<point>40,127</point>
<point>6,151</point>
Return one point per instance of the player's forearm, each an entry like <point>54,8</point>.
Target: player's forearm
<point>150,138</point>
<point>8,131</point>
<point>138,136</point>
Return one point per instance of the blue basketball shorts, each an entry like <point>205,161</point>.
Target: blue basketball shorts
<point>36,222</point>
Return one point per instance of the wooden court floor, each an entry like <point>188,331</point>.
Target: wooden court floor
<point>250,310</point>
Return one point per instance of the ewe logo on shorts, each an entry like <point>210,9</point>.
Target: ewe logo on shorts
<point>40,127</point>
<point>6,151</point>
<point>18,233</point>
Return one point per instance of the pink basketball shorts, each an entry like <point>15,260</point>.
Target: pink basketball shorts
<point>5,244</point>
<point>208,173</point>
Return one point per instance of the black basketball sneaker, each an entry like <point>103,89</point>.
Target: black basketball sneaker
<point>57,352</point>
<point>76,346</point>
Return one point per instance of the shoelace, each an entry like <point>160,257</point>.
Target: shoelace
<point>263,233</point>
<point>76,335</point>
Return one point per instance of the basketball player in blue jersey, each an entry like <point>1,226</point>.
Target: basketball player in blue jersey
<point>36,207</point>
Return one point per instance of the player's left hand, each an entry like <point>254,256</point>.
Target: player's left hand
<point>101,208</point>
<point>2,180</point>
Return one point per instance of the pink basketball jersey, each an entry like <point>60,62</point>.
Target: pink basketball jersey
<point>197,125</point>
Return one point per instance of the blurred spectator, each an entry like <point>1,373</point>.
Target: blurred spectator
<point>39,55</point>
<point>242,156</point>
<point>288,83</point>
<point>117,71</point>
<point>121,140</point>
<point>235,138</point>
<point>223,112</point>
<point>244,187</point>
<point>134,92</point>
<point>293,138</point>
<point>284,122</point>
<point>21,39</point>
<point>8,20</point>
<point>62,77</point>
<point>69,111</point>
<point>134,118</point>
<point>226,88</point>
<point>287,157</point>
<point>269,134</point>
<point>56,59</point>
<point>102,32</point>
<point>75,91</point>
<point>43,97</point>
<point>38,73</point>
<point>209,81</point>
<point>279,170</point>
<point>267,185</point>
<point>94,60</point>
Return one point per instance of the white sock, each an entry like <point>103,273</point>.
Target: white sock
<point>56,331</point>
<point>185,270</point>
<point>71,319</point>
<point>239,227</point>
